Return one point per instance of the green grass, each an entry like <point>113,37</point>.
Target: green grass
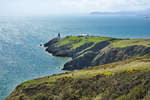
<point>123,80</point>
<point>113,68</point>
<point>77,41</point>
<point>129,65</point>
<point>106,82</point>
<point>130,42</point>
<point>98,97</point>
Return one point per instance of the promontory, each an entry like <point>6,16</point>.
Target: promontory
<point>87,51</point>
<point>101,68</point>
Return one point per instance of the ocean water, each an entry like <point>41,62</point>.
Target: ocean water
<point>21,57</point>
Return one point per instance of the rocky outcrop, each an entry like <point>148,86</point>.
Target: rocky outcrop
<point>84,61</point>
<point>90,54</point>
<point>124,80</point>
<point>111,54</point>
<point>105,56</point>
<point>65,50</point>
<point>85,58</point>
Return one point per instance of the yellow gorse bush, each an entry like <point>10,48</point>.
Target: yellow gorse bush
<point>134,69</point>
<point>148,69</point>
<point>130,70</point>
<point>107,73</point>
<point>139,69</point>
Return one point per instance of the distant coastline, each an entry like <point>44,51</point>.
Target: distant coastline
<point>21,47</point>
<point>123,13</point>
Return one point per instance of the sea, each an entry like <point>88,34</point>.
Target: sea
<point>22,58</point>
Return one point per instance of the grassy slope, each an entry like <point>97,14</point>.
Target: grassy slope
<point>125,80</point>
<point>77,41</point>
<point>140,63</point>
<point>130,42</point>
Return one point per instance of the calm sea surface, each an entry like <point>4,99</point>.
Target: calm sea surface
<point>21,57</point>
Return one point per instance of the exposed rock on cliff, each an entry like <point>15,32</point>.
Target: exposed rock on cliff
<point>111,54</point>
<point>126,77</point>
<point>95,50</point>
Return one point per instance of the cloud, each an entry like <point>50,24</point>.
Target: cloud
<point>107,5</point>
<point>35,7</point>
<point>28,7</point>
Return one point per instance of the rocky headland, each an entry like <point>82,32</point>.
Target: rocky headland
<point>114,69</point>
<point>95,50</point>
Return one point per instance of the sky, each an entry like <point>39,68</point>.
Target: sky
<point>52,7</point>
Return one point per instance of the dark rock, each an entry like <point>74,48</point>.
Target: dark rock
<point>62,51</point>
<point>110,54</point>
<point>80,62</point>
<point>87,56</point>
<point>51,42</point>
<point>95,48</point>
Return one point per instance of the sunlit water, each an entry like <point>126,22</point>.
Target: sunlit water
<point>21,57</point>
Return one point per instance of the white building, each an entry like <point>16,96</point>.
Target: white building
<point>84,35</point>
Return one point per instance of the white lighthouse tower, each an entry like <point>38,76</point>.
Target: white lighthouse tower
<point>59,37</point>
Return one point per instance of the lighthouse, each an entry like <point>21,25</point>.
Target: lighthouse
<point>59,37</point>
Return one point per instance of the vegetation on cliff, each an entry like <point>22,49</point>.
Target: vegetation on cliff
<point>77,41</point>
<point>95,50</point>
<point>124,80</point>
<point>114,69</point>
<point>131,42</point>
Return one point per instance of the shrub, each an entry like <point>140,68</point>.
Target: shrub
<point>139,69</point>
<point>107,73</point>
<point>136,93</point>
<point>43,97</point>
<point>123,97</point>
<point>130,70</point>
<point>148,69</point>
<point>85,98</point>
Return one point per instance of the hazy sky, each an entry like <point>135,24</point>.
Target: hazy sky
<point>47,7</point>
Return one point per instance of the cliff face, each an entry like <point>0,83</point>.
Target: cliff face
<point>120,71</point>
<point>110,54</point>
<point>86,52</point>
